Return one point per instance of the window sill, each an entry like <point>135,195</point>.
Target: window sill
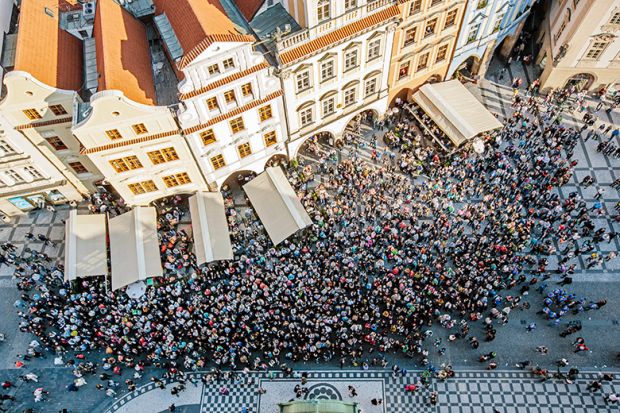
<point>351,70</point>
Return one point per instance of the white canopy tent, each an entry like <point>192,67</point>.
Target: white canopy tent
<point>455,110</point>
<point>276,204</point>
<point>210,228</point>
<point>85,246</point>
<point>134,247</point>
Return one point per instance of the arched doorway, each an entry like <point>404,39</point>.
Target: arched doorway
<point>401,96</point>
<point>277,160</point>
<point>360,125</point>
<point>434,79</point>
<point>580,82</point>
<point>469,68</point>
<point>237,179</point>
<point>316,146</point>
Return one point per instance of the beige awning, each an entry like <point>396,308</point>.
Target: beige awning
<point>455,110</point>
<point>85,246</point>
<point>276,204</point>
<point>134,247</point>
<point>210,227</point>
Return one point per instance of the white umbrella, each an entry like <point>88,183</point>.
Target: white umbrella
<point>136,290</point>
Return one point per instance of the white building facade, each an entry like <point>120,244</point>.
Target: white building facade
<point>486,24</point>
<point>232,111</point>
<point>336,66</point>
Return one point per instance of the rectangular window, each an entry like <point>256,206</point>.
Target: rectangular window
<point>58,110</point>
<point>370,87</point>
<point>208,137</point>
<point>416,6</point>
<point>430,28</point>
<point>265,113</point>
<point>176,179</point>
<point>228,64</point>
<point>126,164</point>
<point>237,125</point>
<point>450,18</point>
<point>113,134</point>
<point>163,155</point>
<point>329,106</point>
<point>56,143</point>
<point>322,10</point>
<point>78,167</point>
<point>327,70</point>
<point>410,36</point>
<point>32,114</point>
<point>350,60</point>
<point>374,49</point>
<point>218,162</point>
<point>270,139</point>
<point>246,89</point>
<point>473,33</point>
<point>33,172</point>
<point>423,62</point>
<point>229,97</point>
<point>436,2</point>
<point>6,148</point>
<point>403,71</point>
<point>139,129</point>
<point>305,116</point>
<point>482,4</point>
<point>214,69</point>
<point>15,175</point>
<point>303,81</point>
<point>350,4</point>
<point>212,104</point>
<point>498,23</point>
<point>441,53</point>
<point>615,18</point>
<point>350,96</point>
<point>596,50</point>
<point>142,187</point>
<point>244,150</point>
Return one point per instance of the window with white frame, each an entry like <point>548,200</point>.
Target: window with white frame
<point>303,81</point>
<point>370,87</point>
<point>350,4</point>
<point>350,60</point>
<point>33,172</point>
<point>374,49</point>
<point>328,105</point>
<point>350,95</point>
<point>596,50</point>
<point>615,18</point>
<point>6,148</point>
<point>306,116</point>
<point>328,70</point>
<point>14,175</point>
<point>322,10</point>
<point>498,22</point>
<point>473,32</point>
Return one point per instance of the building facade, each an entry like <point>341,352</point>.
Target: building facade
<point>41,88</point>
<point>231,110</point>
<point>581,45</point>
<point>487,25</point>
<point>136,144</point>
<point>335,66</point>
<point>423,44</point>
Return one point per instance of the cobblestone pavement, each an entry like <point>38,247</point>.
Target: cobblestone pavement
<point>508,391</point>
<point>468,392</point>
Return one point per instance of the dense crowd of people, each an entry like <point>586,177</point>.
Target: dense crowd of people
<point>389,254</point>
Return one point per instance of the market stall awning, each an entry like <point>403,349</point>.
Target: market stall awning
<point>85,246</point>
<point>455,110</point>
<point>134,247</point>
<point>209,227</point>
<point>276,204</point>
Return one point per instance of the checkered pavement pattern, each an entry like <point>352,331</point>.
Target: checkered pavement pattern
<point>37,222</point>
<point>468,392</point>
<point>605,170</point>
